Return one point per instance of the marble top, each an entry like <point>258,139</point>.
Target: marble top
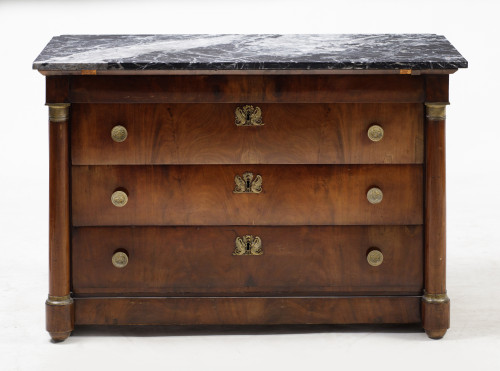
<point>249,52</point>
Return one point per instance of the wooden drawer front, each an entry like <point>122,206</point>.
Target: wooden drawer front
<point>295,260</point>
<point>207,134</point>
<point>291,195</point>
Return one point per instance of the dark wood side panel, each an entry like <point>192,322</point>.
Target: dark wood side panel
<point>436,88</point>
<point>57,89</point>
<point>207,134</point>
<point>296,260</point>
<point>246,311</point>
<point>247,89</point>
<point>291,195</point>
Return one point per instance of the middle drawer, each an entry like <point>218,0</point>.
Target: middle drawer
<point>247,195</point>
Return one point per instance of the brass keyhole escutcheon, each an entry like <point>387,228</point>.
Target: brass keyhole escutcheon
<point>374,195</point>
<point>120,259</point>
<point>248,116</point>
<point>247,183</point>
<point>375,257</point>
<point>375,133</point>
<point>248,245</point>
<point>119,198</point>
<point>119,133</point>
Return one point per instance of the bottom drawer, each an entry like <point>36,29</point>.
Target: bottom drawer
<point>176,261</point>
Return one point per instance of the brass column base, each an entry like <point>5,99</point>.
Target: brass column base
<point>60,314</point>
<point>435,315</point>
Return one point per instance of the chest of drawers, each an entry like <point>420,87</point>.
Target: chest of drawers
<point>227,180</point>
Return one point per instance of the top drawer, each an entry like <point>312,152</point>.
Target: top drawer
<point>208,134</point>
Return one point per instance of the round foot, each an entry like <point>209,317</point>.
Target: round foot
<point>59,336</point>
<point>435,334</point>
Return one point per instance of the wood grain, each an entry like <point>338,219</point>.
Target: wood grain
<point>436,319</point>
<point>436,88</point>
<point>296,260</point>
<point>59,318</point>
<point>435,316</point>
<point>59,321</point>
<point>435,208</point>
<point>59,209</point>
<point>291,195</point>
<point>248,89</point>
<point>57,89</point>
<point>206,134</point>
<point>246,311</point>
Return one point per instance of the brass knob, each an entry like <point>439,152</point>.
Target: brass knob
<point>119,259</point>
<point>119,198</point>
<point>375,133</point>
<point>375,257</point>
<point>374,195</point>
<point>119,133</point>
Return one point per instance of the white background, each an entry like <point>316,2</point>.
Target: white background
<point>473,139</point>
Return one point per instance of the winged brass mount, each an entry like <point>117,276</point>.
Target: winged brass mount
<point>248,245</point>
<point>248,116</point>
<point>247,183</point>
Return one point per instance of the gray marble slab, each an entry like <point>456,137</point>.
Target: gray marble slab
<point>249,52</point>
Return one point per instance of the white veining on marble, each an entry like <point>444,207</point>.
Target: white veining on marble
<point>157,52</point>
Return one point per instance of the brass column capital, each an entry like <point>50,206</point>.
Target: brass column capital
<point>436,111</point>
<point>58,112</point>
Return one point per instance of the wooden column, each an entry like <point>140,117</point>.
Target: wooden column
<point>59,305</point>
<point>435,302</point>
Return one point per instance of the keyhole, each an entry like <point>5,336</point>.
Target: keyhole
<point>248,246</point>
<point>248,116</point>
<point>248,184</point>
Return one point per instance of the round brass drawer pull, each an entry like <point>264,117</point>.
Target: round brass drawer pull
<point>375,257</point>
<point>374,195</point>
<point>119,133</point>
<point>120,259</point>
<point>375,133</point>
<point>119,198</point>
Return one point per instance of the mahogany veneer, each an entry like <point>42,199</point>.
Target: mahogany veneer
<point>291,195</point>
<point>205,134</point>
<point>166,261</point>
<point>158,224</point>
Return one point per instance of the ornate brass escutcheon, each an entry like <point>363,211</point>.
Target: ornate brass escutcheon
<point>247,183</point>
<point>248,116</point>
<point>248,245</point>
